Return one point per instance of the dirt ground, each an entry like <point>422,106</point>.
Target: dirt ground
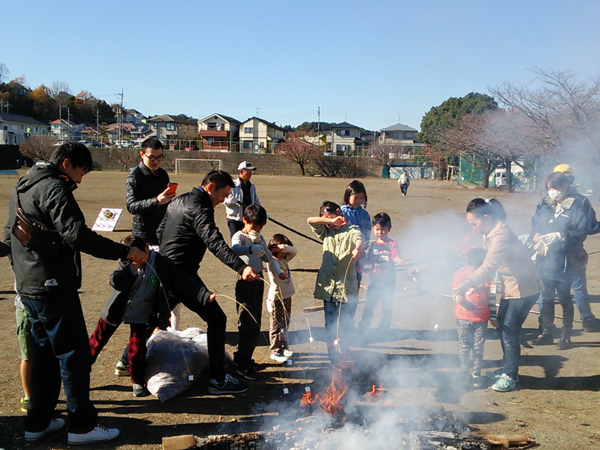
<point>556,403</point>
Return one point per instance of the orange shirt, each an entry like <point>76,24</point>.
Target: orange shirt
<point>477,296</point>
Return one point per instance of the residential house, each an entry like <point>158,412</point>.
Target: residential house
<point>344,139</point>
<point>174,131</point>
<point>259,136</point>
<point>15,128</point>
<point>128,131</point>
<point>219,133</point>
<point>400,137</point>
<point>133,116</point>
<point>65,130</point>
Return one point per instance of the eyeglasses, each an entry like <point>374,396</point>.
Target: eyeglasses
<point>153,158</point>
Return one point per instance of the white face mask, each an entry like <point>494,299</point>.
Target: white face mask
<point>554,194</point>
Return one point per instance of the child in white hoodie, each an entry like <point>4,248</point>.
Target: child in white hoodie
<point>279,299</point>
<point>251,247</point>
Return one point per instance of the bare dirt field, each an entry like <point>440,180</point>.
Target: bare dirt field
<point>556,403</point>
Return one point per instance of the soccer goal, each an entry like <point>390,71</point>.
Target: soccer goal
<point>197,165</point>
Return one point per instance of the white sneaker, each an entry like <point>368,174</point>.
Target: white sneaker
<point>55,425</point>
<point>279,358</point>
<point>288,353</point>
<point>98,434</point>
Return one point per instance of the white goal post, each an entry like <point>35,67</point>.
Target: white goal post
<point>185,165</point>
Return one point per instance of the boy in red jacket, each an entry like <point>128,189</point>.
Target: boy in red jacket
<point>472,314</point>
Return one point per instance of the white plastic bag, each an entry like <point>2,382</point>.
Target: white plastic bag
<point>174,361</point>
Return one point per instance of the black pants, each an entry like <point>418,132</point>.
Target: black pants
<point>249,295</point>
<point>60,352</point>
<point>216,322</point>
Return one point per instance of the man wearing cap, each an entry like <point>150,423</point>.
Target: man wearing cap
<point>242,195</point>
<point>579,285</point>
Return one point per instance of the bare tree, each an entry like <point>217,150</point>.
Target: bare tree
<point>385,155</point>
<point>57,88</point>
<point>4,72</point>
<point>38,147</point>
<point>300,148</point>
<point>563,113</point>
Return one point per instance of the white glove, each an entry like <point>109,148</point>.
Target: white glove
<point>457,297</point>
<point>257,250</point>
<point>270,306</point>
<point>541,248</point>
<point>550,238</point>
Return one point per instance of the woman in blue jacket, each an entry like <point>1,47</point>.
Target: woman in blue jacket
<point>558,229</point>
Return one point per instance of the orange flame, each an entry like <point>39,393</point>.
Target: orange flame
<point>330,400</point>
<point>306,399</point>
<point>374,393</point>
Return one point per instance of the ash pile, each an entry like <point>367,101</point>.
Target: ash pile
<point>430,430</point>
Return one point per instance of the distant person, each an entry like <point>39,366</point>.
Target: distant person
<point>404,182</point>
<point>46,261</point>
<point>279,299</point>
<point>472,311</point>
<point>138,299</point>
<point>251,247</point>
<point>187,230</point>
<point>507,256</point>
<point>383,254</point>
<point>243,194</point>
<point>558,230</point>
<point>579,286</point>
<point>336,281</point>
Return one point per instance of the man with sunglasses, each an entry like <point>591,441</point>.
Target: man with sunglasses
<point>147,196</point>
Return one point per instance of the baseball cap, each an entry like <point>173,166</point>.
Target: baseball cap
<point>564,168</point>
<point>246,166</point>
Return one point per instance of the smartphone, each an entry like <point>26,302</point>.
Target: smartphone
<point>171,188</point>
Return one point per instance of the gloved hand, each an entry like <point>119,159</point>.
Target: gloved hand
<point>270,305</point>
<point>550,238</point>
<point>541,248</point>
<point>258,250</point>
<point>457,297</point>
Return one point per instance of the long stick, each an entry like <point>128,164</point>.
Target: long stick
<point>294,231</point>
<point>532,311</point>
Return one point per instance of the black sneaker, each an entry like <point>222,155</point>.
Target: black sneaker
<point>228,386</point>
<point>248,373</point>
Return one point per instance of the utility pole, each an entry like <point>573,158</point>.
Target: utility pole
<point>69,123</point>
<point>97,123</point>
<point>120,118</point>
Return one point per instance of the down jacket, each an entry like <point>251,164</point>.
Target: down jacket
<point>46,194</point>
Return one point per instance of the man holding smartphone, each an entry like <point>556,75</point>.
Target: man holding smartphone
<point>148,192</point>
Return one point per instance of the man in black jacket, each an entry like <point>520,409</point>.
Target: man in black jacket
<point>146,192</point>
<point>48,275</point>
<point>187,230</point>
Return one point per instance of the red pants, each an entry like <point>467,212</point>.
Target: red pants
<point>136,350</point>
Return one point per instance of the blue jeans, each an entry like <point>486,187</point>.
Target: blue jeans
<point>511,315</point>
<point>60,351</point>
<point>580,294</point>
<point>333,311</point>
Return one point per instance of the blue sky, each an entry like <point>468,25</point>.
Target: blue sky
<point>365,62</point>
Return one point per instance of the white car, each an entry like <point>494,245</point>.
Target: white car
<point>123,144</point>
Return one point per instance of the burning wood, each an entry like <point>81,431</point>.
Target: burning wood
<point>330,400</point>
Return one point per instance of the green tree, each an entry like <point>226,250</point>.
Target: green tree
<point>442,116</point>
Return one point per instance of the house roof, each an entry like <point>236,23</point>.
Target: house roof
<point>343,125</point>
<point>5,117</point>
<point>132,111</point>
<point>265,122</point>
<point>224,117</point>
<point>168,118</point>
<point>57,121</point>
<point>398,127</point>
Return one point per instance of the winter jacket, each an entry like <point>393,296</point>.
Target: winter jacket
<point>189,228</point>
<point>482,303</point>
<point>46,194</point>
<point>593,226</point>
<point>142,188</point>
<point>571,222</point>
<point>336,280</point>
<point>167,274</point>
<point>509,257</point>
<point>359,217</point>
<point>241,245</point>
<point>234,206</point>
<point>280,289</point>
